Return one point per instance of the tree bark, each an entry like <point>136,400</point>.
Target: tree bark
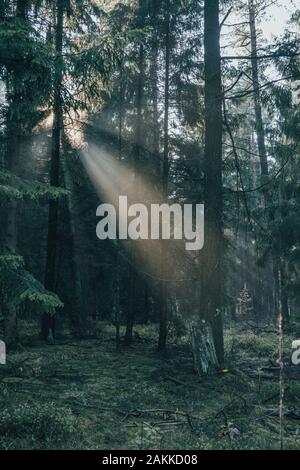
<point>212,282</point>
<point>78,316</point>
<point>205,358</point>
<point>155,97</point>
<point>11,236</point>
<point>163,291</point>
<point>48,321</point>
<point>260,132</point>
<point>116,276</point>
<point>132,307</point>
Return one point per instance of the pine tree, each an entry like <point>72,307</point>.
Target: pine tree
<point>211,303</point>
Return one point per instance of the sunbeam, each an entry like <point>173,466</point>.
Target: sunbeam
<point>112,179</point>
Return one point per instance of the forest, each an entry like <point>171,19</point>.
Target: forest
<point>136,343</point>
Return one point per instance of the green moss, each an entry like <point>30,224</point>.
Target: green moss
<point>44,422</point>
<point>85,395</point>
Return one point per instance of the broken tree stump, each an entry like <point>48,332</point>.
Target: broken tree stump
<point>205,358</point>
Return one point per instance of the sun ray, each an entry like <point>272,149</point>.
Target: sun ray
<point>111,178</point>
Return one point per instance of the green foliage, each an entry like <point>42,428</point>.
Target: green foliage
<point>25,59</point>
<point>263,345</point>
<point>43,422</point>
<point>13,187</point>
<point>50,385</point>
<point>91,67</point>
<point>10,261</point>
<point>19,287</point>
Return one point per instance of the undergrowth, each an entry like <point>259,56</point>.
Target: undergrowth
<point>83,394</point>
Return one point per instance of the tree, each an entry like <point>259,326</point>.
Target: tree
<point>279,275</point>
<point>48,322</point>
<point>163,301</point>
<point>14,128</point>
<point>138,168</point>
<point>260,132</point>
<point>212,287</point>
<point>22,78</point>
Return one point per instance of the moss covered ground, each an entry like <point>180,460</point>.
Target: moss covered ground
<point>83,394</point>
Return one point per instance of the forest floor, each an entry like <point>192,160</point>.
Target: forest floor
<point>83,394</point>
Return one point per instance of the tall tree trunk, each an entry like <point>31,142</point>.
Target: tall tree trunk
<point>213,248</point>
<point>116,277</point>
<point>155,97</point>
<point>11,236</point>
<point>260,132</point>
<point>132,307</point>
<point>78,313</point>
<point>163,291</point>
<point>48,322</point>
<point>13,154</point>
<point>264,167</point>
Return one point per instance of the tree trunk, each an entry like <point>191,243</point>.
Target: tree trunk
<point>163,291</point>
<point>132,307</point>
<point>11,233</point>
<point>264,167</point>
<point>155,98</point>
<point>212,284</point>
<point>205,358</point>
<point>48,322</point>
<point>13,154</point>
<point>116,277</point>
<point>78,316</point>
<point>260,132</point>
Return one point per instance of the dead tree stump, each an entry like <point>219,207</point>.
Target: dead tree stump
<point>205,358</point>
